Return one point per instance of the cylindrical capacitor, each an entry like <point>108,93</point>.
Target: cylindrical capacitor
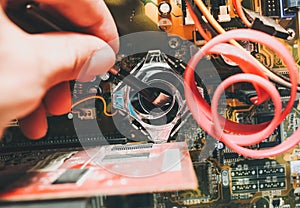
<point>164,9</point>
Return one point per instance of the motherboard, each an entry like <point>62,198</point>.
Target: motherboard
<point>111,127</point>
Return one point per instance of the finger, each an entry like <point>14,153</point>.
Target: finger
<point>3,3</point>
<point>34,126</point>
<point>58,99</point>
<point>65,56</point>
<point>91,15</point>
<point>3,16</point>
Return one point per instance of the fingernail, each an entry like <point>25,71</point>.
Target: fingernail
<point>99,62</point>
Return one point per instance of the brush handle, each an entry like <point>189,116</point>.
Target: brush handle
<point>148,92</point>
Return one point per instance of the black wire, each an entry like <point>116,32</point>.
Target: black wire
<point>199,15</point>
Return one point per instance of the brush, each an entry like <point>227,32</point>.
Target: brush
<point>151,94</point>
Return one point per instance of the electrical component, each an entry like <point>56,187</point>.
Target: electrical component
<point>276,9</point>
<point>224,14</point>
<point>164,8</point>
<point>256,175</point>
<point>106,170</point>
<point>165,24</point>
<point>267,25</point>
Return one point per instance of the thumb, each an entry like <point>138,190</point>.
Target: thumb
<point>65,56</point>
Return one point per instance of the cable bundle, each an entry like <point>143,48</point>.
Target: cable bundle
<point>234,135</point>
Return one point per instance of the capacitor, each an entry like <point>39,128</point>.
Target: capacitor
<point>164,9</point>
<point>165,24</point>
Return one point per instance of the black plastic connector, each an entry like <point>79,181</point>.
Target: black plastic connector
<point>246,95</point>
<point>267,25</point>
<point>269,28</point>
<point>276,9</point>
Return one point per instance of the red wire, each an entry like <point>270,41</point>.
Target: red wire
<point>207,38</point>
<point>239,9</point>
<point>248,66</point>
<point>208,118</point>
<point>259,135</point>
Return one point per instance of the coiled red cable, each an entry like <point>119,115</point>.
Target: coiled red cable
<point>235,135</point>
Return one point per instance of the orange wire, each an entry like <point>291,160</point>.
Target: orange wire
<point>197,23</point>
<point>239,9</point>
<point>95,97</point>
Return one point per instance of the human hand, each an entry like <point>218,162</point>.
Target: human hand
<point>35,68</point>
